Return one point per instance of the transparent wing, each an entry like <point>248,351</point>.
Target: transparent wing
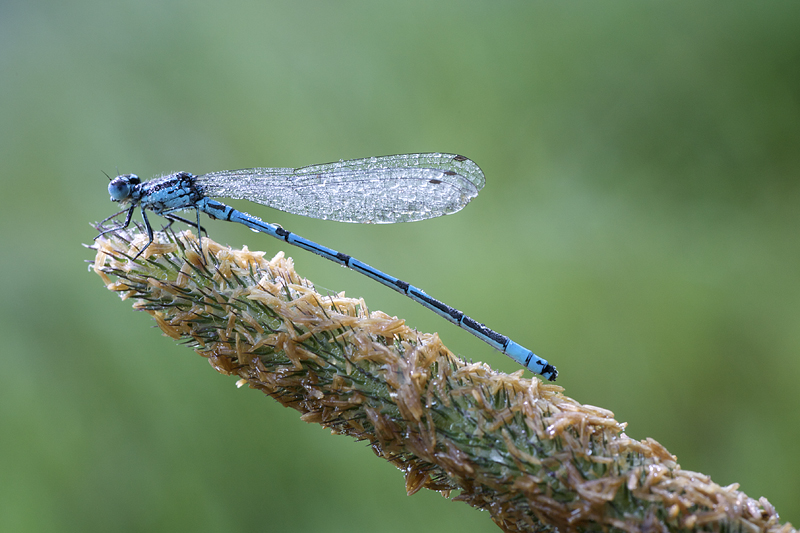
<point>395,188</point>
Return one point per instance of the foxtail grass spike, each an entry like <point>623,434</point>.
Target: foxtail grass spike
<point>516,447</point>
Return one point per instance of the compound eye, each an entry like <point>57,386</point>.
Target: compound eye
<point>121,187</point>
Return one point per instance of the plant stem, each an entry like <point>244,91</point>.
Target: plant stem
<point>535,459</point>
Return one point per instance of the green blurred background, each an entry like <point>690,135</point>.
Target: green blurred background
<point>639,228</point>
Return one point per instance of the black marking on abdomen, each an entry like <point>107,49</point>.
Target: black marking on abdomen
<point>502,340</point>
